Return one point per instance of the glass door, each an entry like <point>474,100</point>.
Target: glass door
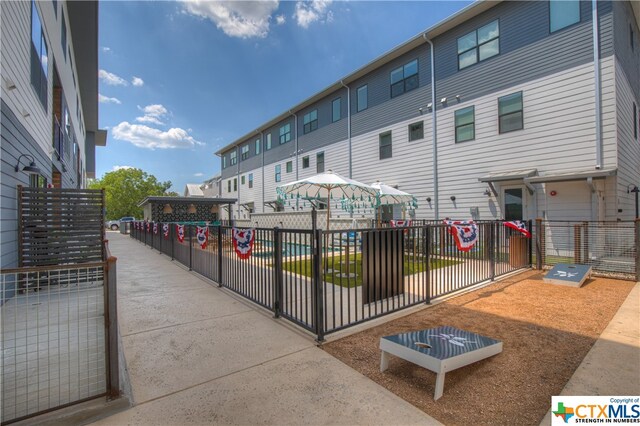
<point>513,208</point>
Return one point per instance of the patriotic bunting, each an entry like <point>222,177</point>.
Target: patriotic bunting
<point>519,226</point>
<point>180,232</point>
<point>400,223</point>
<point>148,226</point>
<point>202,235</point>
<point>165,230</point>
<point>155,228</point>
<point>465,233</point>
<point>243,242</point>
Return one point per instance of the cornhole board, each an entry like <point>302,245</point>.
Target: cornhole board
<point>568,274</point>
<point>440,349</point>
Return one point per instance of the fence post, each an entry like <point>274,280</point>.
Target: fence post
<point>190,248</point>
<point>637,226</point>
<point>539,243</point>
<point>426,252</point>
<point>317,279</point>
<point>111,322</point>
<point>492,231</point>
<point>277,271</point>
<point>530,229</point>
<point>220,255</point>
<point>172,230</point>
<point>577,244</point>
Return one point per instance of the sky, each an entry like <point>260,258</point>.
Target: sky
<point>180,80</point>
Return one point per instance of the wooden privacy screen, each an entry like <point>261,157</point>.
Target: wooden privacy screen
<point>60,226</point>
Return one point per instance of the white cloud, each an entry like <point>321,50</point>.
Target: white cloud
<point>308,12</point>
<point>243,19</point>
<point>148,137</point>
<point>111,79</point>
<point>154,114</point>
<point>106,49</point>
<point>116,168</point>
<point>198,174</point>
<point>280,19</point>
<point>106,100</point>
<point>137,81</point>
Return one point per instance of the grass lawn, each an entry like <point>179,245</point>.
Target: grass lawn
<point>336,265</point>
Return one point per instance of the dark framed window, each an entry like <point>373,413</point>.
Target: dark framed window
<point>479,45</point>
<point>250,180</point>
<point>63,36</point>
<point>37,181</point>
<point>305,162</point>
<point>563,13</point>
<point>224,162</point>
<point>258,144</point>
<point>404,78</point>
<point>229,185</point>
<point>320,162</point>
<point>267,143</point>
<point>336,110</point>
<point>233,157</point>
<point>416,131</point>
<point>635,121</point>
<point>39,57</point>
<point>385,145</point>
<point>465,124</point>
<point>235,184</point>
<point>242,180</point>
<point>244,153</point>
<point>631,37</point>
<point>278,173</point>
<point>510,115</point>
<point>310,121</point>
<point>362,95</point>
<point>285,133</point>
<point>289,166</point>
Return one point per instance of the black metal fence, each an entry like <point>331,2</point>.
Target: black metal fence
<point>325,281</point>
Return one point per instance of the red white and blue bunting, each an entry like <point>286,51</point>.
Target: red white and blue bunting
<point>400,223</point>
<point>148,227</point>
<point>165,230</point>
<point>243,242</point>
<point>180,232</point>
<point>465,233</point>
<point>202,235</point>
<point>155,228</point>
<point>519,226</point>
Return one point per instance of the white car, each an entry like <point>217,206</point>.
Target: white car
<point>114,225</point>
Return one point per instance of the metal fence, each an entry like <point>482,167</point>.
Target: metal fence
<point>325,281</point>
<point>611,248</point>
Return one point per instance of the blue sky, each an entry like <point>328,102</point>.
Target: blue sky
<point>179,80</point>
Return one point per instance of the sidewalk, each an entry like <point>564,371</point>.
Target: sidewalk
<point>198,354</point>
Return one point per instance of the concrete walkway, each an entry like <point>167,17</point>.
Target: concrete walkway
<point>198,354</point>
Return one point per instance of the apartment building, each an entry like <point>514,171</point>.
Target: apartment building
<point>510,110</point>
<point>49,102</point>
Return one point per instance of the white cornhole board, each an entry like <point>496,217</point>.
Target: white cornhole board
<point>439,349</point>
<point>568,274</point>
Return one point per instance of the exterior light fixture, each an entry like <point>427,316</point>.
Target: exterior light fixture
<point>428,199</point>
<point>167,209</point>
<point>191,209</point>
<point>487,192</point>
<point>31,169</point>
<point>443,101</point>
<point>453,198</point>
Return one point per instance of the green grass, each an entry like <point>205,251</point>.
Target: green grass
<point>339,264</point>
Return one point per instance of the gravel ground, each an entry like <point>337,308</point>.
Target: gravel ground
<point>546,331</point>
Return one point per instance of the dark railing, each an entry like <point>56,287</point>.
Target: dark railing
<point>325,281</point>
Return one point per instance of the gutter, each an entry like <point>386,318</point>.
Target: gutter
<point>349,127</point>
<point>434,136</point>
<point>598,83</point>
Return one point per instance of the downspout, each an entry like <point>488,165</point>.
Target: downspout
<point>434,136</point>
<point>349,127</point>
<point>262,146</point>
<point>598,83</point>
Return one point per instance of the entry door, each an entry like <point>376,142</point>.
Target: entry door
<point>513,203</point>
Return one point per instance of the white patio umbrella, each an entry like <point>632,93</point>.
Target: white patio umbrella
<point>330,186</point>
<point>390,195</point>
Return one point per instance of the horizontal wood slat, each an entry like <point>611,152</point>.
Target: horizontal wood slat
<point>60,226</point>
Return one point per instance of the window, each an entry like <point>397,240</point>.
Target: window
<point>258,146</point>
<point>233,157</point>
<point>465,124</point>
<point>305,162</point>
<point>278,173</point>
<point>635,121</point>
<point>229,185</point>
<point>510,112</point>
<point>268,142</point>
<point>285,133</point>
<point>39,57</point>
<point>235,184</point>
<point>242,180</point>
<point>224,162</point>
<point>37,181</point>
<point>63,37</point>
<point>336,110</point>
<point>479,45</point>
<point>563,13</point>
<point>362,101</point>
<point>320,162</point>
<point>416,131</point>
<point>289,166</point>
<point>513,204</point>
<point>310,121</point>
<point>250,180</point>
<point>385,145</point>
<point>404,79</point>
<point>245,152</point>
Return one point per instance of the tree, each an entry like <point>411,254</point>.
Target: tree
<point>126,188</point>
